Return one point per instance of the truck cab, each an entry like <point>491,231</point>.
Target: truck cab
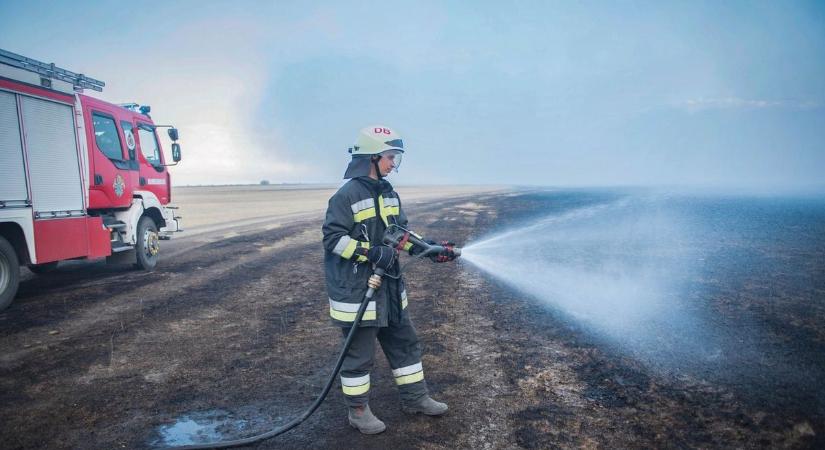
<point>125,155</point>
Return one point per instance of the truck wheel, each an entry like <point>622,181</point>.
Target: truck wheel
<point>44,268</point>
<point>9,273</point>
<point>148,245</point>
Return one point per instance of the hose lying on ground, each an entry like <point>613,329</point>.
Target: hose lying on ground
<point>297,421</point>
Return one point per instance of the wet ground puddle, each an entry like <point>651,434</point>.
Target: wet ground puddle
<point>201,428</point>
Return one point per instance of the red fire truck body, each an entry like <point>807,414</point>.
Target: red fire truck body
<point>79,177</point>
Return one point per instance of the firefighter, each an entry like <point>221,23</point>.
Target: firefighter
<point>357,215</point>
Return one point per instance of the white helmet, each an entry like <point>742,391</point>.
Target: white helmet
<point>376,139</point>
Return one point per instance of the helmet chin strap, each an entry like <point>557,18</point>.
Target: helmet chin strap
<point>377,169</point>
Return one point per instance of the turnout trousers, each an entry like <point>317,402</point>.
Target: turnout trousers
<point>400,344</point>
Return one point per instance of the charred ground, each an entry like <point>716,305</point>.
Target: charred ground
<point>97,356</point>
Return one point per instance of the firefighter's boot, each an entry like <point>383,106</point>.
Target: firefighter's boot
<point>425,405</point>
<point>363,420</point>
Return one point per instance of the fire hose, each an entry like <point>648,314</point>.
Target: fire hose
<point>395,236</point>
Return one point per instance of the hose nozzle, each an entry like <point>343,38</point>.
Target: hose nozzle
<point>437,249</point>
<point>396,236</point>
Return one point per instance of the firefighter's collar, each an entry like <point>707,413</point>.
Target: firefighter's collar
<point>379,186</point>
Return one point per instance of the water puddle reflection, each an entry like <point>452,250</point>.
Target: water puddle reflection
<point>200,428</point>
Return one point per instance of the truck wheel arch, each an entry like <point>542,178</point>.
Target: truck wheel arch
<point>14,234</point>
<point>151,207</point>
<point>156,216</point>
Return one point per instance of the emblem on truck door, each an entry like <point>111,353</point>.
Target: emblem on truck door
<point>119,185</point>
<point>130,139</point>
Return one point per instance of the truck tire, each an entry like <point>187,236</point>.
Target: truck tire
<point>9,273</point>
<point>148,246</point>
<point>44,268</point>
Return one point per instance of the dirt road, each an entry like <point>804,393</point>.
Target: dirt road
<point>236,332</point>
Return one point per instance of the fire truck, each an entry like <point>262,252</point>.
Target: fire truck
<point>80,178</point>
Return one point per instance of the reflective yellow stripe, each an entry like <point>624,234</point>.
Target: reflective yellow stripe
<point>361,216</point>
<point>356,390</point>
<point>346,312</point>
<point>383,211</point>
<point>350,316</point>
<point>355,385</point>
<point>408,246</point>
<point>346,248</point>
<point>387,211</point>
<point>391,208</point>
<point>349,249</point>
<point>412,378</point>
<point>362,204</point>
<point>341,245</point>
<point>365,246</point>
<point>403,303</point>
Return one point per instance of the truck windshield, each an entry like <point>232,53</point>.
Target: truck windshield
<point>149,145</point>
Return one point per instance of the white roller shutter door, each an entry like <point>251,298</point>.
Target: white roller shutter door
<point>12,170</point>
<point>53,161</point>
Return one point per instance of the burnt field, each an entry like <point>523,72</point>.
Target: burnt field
<point>230,336</point>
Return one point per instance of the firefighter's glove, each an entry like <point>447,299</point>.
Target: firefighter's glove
<point>445,255</point>
<point>382,256</point>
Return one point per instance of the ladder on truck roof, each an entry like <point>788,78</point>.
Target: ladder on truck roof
<point>78,80</point>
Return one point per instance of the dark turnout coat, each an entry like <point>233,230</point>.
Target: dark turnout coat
<point>357,216</point>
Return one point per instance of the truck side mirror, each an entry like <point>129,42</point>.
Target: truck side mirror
<point>175,149</point>
<point>173,133</point>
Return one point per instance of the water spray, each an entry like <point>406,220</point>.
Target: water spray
<point>616,268</point>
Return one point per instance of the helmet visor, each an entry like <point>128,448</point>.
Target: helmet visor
<point>395,156</point>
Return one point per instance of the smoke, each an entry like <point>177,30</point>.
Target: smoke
<point>617,268</point>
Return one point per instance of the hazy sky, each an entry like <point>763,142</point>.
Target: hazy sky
<point>550,93</point>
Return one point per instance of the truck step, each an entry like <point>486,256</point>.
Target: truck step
<point>115,225</point>
<point>121,247</point>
